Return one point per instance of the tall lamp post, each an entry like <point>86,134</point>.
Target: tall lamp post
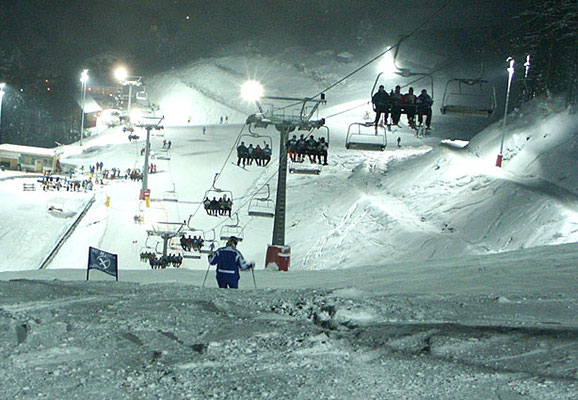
<point>123,77</point>
<point>2,92</point>
<point>510,60</point>
<point>83,80</point>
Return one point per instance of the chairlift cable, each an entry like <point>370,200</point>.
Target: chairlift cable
<point>222,168</point>
<point>416,30</point>
<point>349,109</point>
<point>442,66</point>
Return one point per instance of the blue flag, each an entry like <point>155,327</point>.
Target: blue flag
<point>103,261</point>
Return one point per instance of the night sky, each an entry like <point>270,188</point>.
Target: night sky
<point>55,36</point>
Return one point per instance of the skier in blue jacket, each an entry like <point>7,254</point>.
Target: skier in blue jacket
<point>229,261</point>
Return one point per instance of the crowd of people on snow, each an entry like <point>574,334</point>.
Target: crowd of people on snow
<point>247,154</point>
<point>395,104</point>
<point>192,243</point>
<point>215,207</point>
<point>315,150</point>
<point>175,260</point>
<point>57,183</point>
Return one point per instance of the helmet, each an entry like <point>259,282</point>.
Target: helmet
<point>232,241</point>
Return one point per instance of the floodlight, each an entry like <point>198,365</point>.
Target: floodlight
<point>84,76</point>
<point>121,74</point>
<point>252,90</point>
<point>387,65</point>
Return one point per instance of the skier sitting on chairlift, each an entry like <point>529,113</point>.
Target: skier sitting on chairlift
<point>266,154</point>
<point>395,99</point>
<point>301,148</point>
<point>242,154</point>
<point>424,103</point>
<point>292,148</point>
<point>409,101</point>
<point>258,155</point>
<point>250,151</point>
<point>380,102</point>
<point>213,207</point>
<point>322,147</point>
<point>312,149</point>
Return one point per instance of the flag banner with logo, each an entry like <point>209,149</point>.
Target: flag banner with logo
<point>102,261</point>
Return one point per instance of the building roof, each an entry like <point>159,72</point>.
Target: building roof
<point>39,151</point>
<point>90,105</point>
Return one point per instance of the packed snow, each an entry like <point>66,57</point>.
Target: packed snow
<point>422,271</point>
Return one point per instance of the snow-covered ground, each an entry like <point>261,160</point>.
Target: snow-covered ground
<point>419,272</point>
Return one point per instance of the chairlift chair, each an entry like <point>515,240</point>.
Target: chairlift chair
<point>363,136</point>
<point>228,231</point>
<point>208,242</point>
<point>215,192</point>
<point>262,206</point>
<point>304,169</point>
<point>171,195</point>
<point>469,97</point>
<point>255,139</point>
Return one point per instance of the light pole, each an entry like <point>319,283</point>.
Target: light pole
<point>83,80</point>
<point>122,76</point>
<point>510,69</point>
<point>2,92</point>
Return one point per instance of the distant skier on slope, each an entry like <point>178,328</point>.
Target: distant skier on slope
<point>229,261</point>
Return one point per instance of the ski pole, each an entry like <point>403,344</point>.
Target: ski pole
<point>207,273</point>
<point>253,272</point>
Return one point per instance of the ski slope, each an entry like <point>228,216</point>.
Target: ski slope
<point>419,272</point>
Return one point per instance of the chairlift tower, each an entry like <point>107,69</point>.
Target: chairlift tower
<point>285,123</point>
<point>166,235</point>
<point>156,124</point>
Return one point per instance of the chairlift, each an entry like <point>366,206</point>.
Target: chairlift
<point>170,195</point>
<point>255,139</point>
<point>233,230</point>
<point>406,72</point>
<point>203,234</point>
<point>262,206</point>
<point>210,242</point>
<point>163,156</point>
<point>364,136</point>
<point>142,95</point>
<point>216,193</point>
<point>304,169</point>
<point>469,97</point>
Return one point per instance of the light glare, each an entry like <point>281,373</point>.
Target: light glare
<point>84,76</point>
<point>387,64</point>
<point>121,74</point>
<point>251,90</point>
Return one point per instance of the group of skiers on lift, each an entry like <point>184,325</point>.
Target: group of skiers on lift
<point>396,103</point>
<point>175,260</point>
<point>215,207</point>
<point>315,150</point>
<point>246,155</point>
<point>192,243</point>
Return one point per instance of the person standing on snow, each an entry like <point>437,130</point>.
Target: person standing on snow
<point>229,261</point>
